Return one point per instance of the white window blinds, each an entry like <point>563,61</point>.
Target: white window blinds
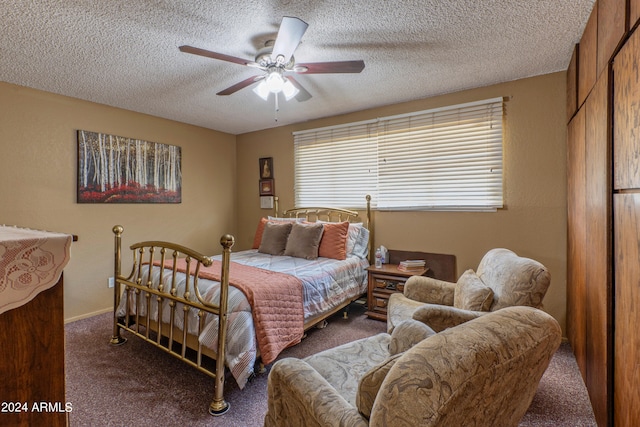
<point>443,159</point>
<point>336,166</point>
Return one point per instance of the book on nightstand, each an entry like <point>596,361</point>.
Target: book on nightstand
<point>412,265</point>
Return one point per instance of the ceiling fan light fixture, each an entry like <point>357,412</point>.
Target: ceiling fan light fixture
<point>262,90</point>
<point>275,81</point>
<point>276,59</point>
<point>289,90</point>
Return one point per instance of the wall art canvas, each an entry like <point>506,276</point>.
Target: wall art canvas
<point>116,169</point>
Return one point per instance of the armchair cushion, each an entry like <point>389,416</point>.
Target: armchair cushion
<point>352,360</point>
<point>515,280</point>
<point>370,383</point>
<point>471,293</point>
<point>428,289</point>
<point>399,309</point>
<point>302,394</point>
<point>441,317</point>
<point>407,334</point>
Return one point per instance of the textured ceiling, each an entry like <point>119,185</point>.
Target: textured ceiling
<point>125,53</point>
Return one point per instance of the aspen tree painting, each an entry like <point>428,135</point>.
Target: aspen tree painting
<point>115,169</point>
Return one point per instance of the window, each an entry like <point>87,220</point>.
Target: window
<point>443,159</point>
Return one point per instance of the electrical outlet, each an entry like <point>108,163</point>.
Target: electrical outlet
<point>112,282</point>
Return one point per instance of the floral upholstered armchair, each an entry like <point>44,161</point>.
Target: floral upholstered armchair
<point>503,279</point>
<point>484,372</point>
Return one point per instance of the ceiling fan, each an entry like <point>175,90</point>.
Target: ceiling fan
<point>277,62</point>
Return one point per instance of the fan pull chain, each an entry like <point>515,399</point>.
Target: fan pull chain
<point>277,107</point>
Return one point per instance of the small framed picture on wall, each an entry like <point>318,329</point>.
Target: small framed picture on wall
<point>266,168</point>
<point>267,187</point>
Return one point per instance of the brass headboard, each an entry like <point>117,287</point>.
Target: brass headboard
<point>333,215</point>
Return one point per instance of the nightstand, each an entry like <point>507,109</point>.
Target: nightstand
<point>383,282</point>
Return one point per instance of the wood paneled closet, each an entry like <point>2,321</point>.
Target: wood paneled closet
<point>603,210</point>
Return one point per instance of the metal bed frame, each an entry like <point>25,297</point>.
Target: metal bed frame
<point>165,335</point>
<point>178,341</point>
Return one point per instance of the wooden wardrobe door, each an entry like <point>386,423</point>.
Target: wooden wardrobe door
<point>626,214</point>
<point>626,115</point>
<point>576,239</point>
<point>588,67</point>
<point>626,397</point>
<point>612,26</point>
<point>598,291</point>
<point>634,12</point>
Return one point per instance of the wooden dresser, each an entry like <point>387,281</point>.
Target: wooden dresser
<point>32,337</point>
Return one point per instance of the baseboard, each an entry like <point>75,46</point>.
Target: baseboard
<point>87,315</point>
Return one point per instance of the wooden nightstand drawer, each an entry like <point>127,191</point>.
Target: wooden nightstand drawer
<point>389,284</point>
<point>380,302</point>
<point>383,282</point>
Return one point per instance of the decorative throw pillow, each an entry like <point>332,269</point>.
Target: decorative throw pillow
<point>334,240</point>
<point>257,238</point>
<point>407,334</point>
<point>274,238</point>
<point>304,240</point>
<point>370,383</point>
<point>471,293</point>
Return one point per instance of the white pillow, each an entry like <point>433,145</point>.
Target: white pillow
<point>358,240</point>
<point>274,218</point>
<point>353,235</point>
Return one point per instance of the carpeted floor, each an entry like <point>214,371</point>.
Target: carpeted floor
<point>114,386</point>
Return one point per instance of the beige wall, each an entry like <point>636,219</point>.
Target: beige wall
<point>38,164</point>
<point>533,222</point>
<point>38,185</point>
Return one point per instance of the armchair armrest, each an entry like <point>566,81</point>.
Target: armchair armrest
<point>440,317</point>
<point>429,290</point>
<point>299,395</point>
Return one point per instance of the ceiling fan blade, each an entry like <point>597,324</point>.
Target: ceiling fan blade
<point>215,55</point>
<point>289,36</point>
<point>241,85</point>
<point>303,94</point>
<point>330,67</point>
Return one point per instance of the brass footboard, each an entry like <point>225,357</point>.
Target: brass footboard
<point>166,335</point>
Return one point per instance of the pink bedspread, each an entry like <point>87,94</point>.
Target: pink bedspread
<point>276,301</point>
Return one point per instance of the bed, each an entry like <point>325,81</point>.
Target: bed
<point>239,310</point>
